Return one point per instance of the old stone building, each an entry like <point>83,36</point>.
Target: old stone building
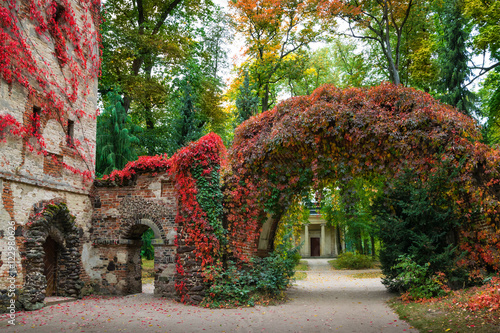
<point>61,233</point>
<point>122,213</point>
<point>48,102</point>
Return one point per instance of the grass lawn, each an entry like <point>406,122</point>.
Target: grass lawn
<point>472,310</point>
<point>302,266</point>
<point>148,271</point>
<point>367,275</point>
<point>300,269</point>
<point>438,317</point>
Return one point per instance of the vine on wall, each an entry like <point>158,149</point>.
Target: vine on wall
<point>199,216</point>
<point>61,91</point>
<point>195,169</point>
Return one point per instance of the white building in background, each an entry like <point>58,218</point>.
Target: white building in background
<point>319,240</point>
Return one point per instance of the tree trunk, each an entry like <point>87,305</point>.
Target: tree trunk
<point>372,240</point>
<point>358,241</point>
<point>339,241</point>
<point>265,98</point>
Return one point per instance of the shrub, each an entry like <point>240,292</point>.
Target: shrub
<point>243,284</point>
<point>418,217</point>
<point>418,281</point>
<point>147,250</point>
<point>352,261</point>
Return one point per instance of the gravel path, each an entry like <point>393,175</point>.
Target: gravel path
<point>327,301</point>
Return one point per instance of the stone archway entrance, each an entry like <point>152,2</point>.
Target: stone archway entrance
<point>53,257</point>
<point>134,267</point>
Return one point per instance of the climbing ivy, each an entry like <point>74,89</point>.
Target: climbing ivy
<point>337,135</point>
<point>210,197</point>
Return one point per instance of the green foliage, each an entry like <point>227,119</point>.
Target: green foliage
<point>189,126</point>
<point>238,285</point>
<point>209,196</point>
<point>418,217</point>
<point>114,141</point>
<point>273,34</point>
<point>348,206</point>
<point>486,15</point>
<point>290,226</point>
<point>350,260</point>
<point>490,94</point>
<point>453,59</point>
<point>166,56</point>
<point>247,102</point>
<point>418,280</point>
<point>353,67</point>
<point>147,250</point>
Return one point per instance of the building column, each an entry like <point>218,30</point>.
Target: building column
<point>307,245</point>
<point>322,241</point>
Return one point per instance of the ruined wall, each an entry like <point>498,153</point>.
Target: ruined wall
<point>121,215</point>
<point>47,121</point>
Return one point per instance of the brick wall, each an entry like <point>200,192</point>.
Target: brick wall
<point>27,178</point>
<point>121,215</point>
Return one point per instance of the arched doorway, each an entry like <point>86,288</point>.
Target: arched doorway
<point>135,262</point>
<point>53,259</point>
<point>51,249</point>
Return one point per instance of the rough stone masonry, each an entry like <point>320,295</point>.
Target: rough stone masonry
<point>72,237</point>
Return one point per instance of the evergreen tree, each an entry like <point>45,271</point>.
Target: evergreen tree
<point>114,141</point>
<point>454,57</point>
<point>189,126</point>
<point>247,102</point>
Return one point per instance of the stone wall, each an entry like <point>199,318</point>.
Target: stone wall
<point>34,172</point>
<point>121,215</point>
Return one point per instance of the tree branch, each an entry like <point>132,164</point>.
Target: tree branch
<point>167,10</point>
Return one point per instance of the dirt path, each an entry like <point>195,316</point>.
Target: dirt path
<point>327,301</point>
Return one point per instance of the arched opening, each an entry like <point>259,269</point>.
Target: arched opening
<point>335,136</point>
<point>142,263</point>
<point>147,261</point>
<point>53,259</point>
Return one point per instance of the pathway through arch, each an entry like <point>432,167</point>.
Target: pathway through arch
<point>328,301</point>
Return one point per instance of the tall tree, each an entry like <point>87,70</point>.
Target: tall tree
<point>309,70</point>
<point>247,102</point>
<point>189,126</point>
<point>141,40</point>
<point>486,19</point>
<point>381,21</point>
<point>114,141</point>
<point>485,15</point>
<point>453,59</point>
<point>273,30</point>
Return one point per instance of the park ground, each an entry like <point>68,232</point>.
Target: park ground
<point>326,301</point>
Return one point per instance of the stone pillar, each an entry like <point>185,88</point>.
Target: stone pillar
<point>322,241</point>
<point>164,268</point>
<point>307,245</point>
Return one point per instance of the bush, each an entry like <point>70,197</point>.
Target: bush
<point>418,281</point>
<point>418,217</point>
<point>239,285</point>
<point>352,261</point>
<point>147,250</point>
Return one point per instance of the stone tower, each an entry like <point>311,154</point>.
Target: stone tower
<point>49,64</point>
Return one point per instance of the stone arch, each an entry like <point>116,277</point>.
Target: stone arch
<point>338,134</point>
<point>133,234</point>
<point>51,219</point>
<point>136,211</point>
<point>139,226</point>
